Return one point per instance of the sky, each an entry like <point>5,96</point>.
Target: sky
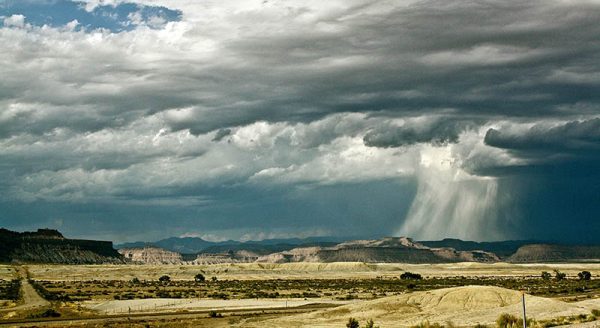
<point>131,120</point>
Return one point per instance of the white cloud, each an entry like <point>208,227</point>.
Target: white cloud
<point>72,25</point>
<point>15,21</point>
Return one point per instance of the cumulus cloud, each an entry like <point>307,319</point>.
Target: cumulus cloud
<point>15,21</point>
<point>233,100</point>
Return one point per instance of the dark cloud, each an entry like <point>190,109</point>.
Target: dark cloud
<point>439,131</point>
<point>332,97</point>
<point>574,136</point>
<point>428,57</point>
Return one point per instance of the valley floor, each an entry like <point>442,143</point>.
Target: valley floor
<point>463,294</point>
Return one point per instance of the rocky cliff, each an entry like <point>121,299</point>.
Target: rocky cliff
<point>50,246</point>
<point>151,255</point>
<point>240,256</point>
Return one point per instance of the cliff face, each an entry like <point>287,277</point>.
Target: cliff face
<point>151,255</point>
<point>50,246</point>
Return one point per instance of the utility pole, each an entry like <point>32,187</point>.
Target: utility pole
<point>524,312</point>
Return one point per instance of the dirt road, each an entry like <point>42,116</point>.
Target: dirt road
<point>30,298</point>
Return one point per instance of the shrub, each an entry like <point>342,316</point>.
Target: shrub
<point>426,324</point>
<point>215,314</point>
<point>584,275</point>
<point>352,323</point>
<point>480,326</point>
<point>506,320</point>
<point>559,275</point>
<point>50,313</point>
<point>199,277</point>
<point>135,280</point>
<point>596,312</point>
<point>164,278</point>
<point>370,324</point>
<point>409,275</point>
<point>546,275</point>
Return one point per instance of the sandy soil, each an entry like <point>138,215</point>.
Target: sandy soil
<point>463,306</point>
<point>167,305</point>
<point>252,271</point>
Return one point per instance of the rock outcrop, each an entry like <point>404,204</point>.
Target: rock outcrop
<point>50,246</point>
<point>151,255</point>
<point>240,256</point>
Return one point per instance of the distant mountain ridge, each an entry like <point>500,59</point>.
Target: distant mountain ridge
<point>194,245</point>
<point>503,249</point>
<point>555,253</point>
<point>386,250</point>
<point>50,246</point>
<point>390,249</point>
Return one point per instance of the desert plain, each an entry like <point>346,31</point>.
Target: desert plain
<point>298,295</point>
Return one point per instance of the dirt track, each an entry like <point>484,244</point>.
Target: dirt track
<point>30,298</point>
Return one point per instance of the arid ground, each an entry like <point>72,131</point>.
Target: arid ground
<point>297,294</point>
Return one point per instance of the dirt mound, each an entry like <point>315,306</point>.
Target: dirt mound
<point>463,306</point>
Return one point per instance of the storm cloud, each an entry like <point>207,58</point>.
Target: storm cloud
<point>219,115</point>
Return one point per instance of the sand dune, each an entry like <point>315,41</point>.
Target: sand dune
<point>461,305</point>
